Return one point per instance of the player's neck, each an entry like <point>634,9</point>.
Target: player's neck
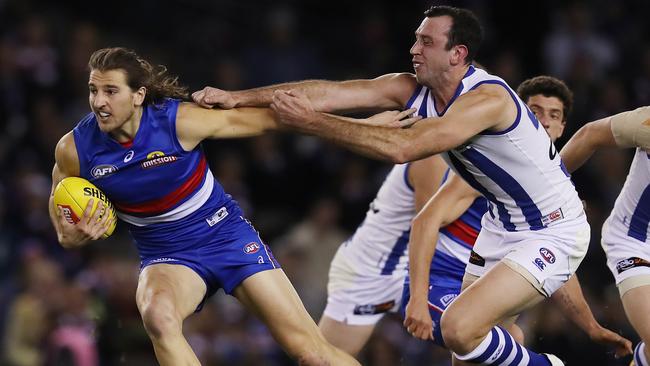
<point>447,84</point>
<point>130,128</point>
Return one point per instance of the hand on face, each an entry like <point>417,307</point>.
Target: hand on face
<point>210,97</point>
<point>292,107</point>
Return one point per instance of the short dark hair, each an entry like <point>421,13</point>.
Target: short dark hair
<point>139,73</point>
<point>466,29</point>
<point>547,86</point>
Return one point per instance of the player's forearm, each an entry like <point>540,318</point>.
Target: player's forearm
<point>319,93</point>
<point>578,150</point>
<point>589,138</point>
<point>382,143</point>
<point>421,250</point>
<point>570,300</point>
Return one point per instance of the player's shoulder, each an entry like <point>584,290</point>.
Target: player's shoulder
<point>65,153</point>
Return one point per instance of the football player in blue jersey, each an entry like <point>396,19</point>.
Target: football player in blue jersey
<point>191,236</point>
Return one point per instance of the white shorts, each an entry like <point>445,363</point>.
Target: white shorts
<point>627,257</point>
<point>550,255</point>
<point>359,297</point>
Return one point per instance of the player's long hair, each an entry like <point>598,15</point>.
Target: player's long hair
<point>139,73</point>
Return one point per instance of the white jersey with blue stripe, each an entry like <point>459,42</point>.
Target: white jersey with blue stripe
<point>630,217</point>
<point>518,170</point>
<point>380,243</point>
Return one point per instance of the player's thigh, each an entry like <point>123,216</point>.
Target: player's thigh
<point>636,303</point>
<point>496,304</point>
<point>350,338</point>
<point>179,284</point>
<point>270,296</point>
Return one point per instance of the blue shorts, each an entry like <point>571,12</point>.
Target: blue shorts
<point>233,252</point>
<point>439,298</point>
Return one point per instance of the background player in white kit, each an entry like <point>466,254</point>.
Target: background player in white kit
<point>487,124</point>
<point>626,232</point>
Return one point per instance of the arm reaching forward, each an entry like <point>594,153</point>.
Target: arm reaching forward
<point>623,130</point>
<point>448,204</point>
<point>572,303</point>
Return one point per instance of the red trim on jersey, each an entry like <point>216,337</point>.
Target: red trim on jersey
<point>163,204</point>
<point>127,144</point>
<point>462,231</point>
<point>433,307</point>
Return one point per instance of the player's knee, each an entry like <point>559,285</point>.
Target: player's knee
<point>160,319</point>
<point>308,349</point>
<point>457,332</point>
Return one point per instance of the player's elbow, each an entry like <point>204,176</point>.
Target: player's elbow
<point>402,152</point>
<point>424,221</point>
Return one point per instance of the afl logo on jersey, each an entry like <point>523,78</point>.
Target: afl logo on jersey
<point>547,255</point>
<point>103,170</point>
<point>251,248</point>
<point>157,158</point>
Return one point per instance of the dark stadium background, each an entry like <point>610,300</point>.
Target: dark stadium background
<point>305,196</point>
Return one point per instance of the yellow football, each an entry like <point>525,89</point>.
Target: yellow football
<point>72,194</point>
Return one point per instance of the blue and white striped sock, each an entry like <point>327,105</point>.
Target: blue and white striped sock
<point>499,348</point>
<point>639,355</point>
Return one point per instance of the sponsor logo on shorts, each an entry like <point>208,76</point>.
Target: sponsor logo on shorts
<point>103,170</point>
<point>553,216</point>
<point>539,263</point>
<point>632,262</point>
<point>252,247</point>
<point>476,259</point>
<point>547,255</point>
<point>374,309</point>
<point>157,158</point>
<point>218,216</point>
<point>447,299</point>
<point>69,215</point>
<point>162,260</point>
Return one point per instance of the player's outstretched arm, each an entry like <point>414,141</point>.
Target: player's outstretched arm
<point>623,130</point>
<point>588,139</point>
<point>89,227</point>
<point>572,303</point>
<point>487,107</point>
<point>195,124</point>
<point>389,91</point>
<point>449,203</point>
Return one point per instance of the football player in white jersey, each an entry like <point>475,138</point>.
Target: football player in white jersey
<point>626,233</point>
<point>535,234</point>
<point>550,100</point>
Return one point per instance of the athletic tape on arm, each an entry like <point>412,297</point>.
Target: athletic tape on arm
<point>632,128</point>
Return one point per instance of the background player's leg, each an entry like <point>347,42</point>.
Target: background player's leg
<point>166,295</point>
<point>465,329</point>
<point>349,338</point>
<point>637,307</point>
<point>270,295</point>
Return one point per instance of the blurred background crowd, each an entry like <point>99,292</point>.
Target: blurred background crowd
<point>305,196</point>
